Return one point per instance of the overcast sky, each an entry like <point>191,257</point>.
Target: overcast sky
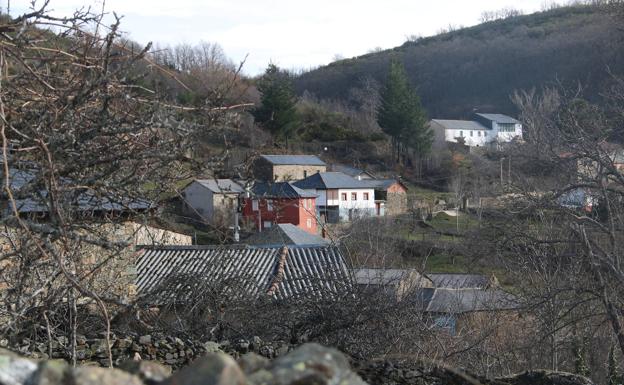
<point>290,33</point>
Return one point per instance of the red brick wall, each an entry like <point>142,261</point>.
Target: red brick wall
<point>284,211</point>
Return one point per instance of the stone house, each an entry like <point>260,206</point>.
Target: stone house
<point>286,167</point>
<point>213,201</point>
<point>390,196</point>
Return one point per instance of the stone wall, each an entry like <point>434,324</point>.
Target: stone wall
<point>308,364</point>
<point>171,351</point>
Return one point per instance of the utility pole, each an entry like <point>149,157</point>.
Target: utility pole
<point>509,171</point>
<point>501,172</point>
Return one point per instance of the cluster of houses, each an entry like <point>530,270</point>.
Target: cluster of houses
<point>319,272</point>
<point>301,190</point>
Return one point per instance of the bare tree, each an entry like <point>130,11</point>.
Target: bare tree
<point>86,145</point>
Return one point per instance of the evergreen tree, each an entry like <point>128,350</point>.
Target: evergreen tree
<point>402,116</point>
<point>277,113</point>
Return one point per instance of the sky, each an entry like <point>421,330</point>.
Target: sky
<point>292,34</point>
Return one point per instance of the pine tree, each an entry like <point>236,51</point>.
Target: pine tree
<point>277,113</point>
<point>401,114</point>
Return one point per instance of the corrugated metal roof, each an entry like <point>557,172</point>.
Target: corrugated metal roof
<point>499,118</point>
<point>459,281</point>
<point>286,234</point>
<point>460,124</point>
<point>329,180</point>
<point>308,160</point>
<point>221,185</point>
<point>243,270</point>
<point>279,190</point>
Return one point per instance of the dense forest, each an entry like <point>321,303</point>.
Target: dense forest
<point>479,67</point>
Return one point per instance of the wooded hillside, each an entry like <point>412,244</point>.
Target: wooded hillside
<point>479,67</point>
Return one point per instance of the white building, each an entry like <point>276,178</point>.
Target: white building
<point>340,197</point>
<point>484,129</point>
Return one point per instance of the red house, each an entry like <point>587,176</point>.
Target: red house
<point>280,202</point>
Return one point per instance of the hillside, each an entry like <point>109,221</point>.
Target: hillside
<point>479,67</point>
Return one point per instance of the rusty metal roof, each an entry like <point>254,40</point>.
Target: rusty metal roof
<point>281,272</point>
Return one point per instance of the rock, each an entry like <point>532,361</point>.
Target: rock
<point>212,347</point>
<point>54,372</point>
<point>313,364</point>
<point>15,370</point>
<point>256,343</point>
<point>213,369</point>
<point>252,362</point>
<point>179,343</point>
<point>546,377</point>
<point>90,375</point>
<point>149,372</point>
<point>267,351</point>
<point>261,377</point>
<point>145,340</point>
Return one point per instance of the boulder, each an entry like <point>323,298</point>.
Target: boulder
<point>212,369</point>
<point>15,370</point>
<point>53,372</point>
<point>313,364</point>
<point>252,362</point>
<point>91,375</point>
<point>150,372</point>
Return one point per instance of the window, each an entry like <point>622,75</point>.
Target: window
<point>506,127</point>
<point>269,205</point>
<point>254,205</point>
<point>305,173</point>
<point>461,134</point>
<point>276,176</point>
<point>332,195</point>
<point>353,196</point>
<point>484,134</point>
<point>479,132</point>
<point>267,224</point>
<point>471,133</point>
<point>309,223</point>
<point>365,196</point>
<point>343,196</point>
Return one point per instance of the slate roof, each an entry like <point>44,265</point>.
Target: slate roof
<point>351,171</point>
<point>459,281</point>
<point>381,184</point>
<point>85,202</point>
<point>308,160</point>
<point>375,276</point>
<point>226,186</point>
<point>455,301</point>
<point>460,124</point>
<point>331,180</point>
<point>498,118</point>
<point>279,190</point>
<point>278,272</point>
<point>286,234</point>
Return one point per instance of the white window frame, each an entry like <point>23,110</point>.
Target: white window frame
<point>269,204</point>
<point>309,223</point>
<point>254,205</point>
<point>267,224</point>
